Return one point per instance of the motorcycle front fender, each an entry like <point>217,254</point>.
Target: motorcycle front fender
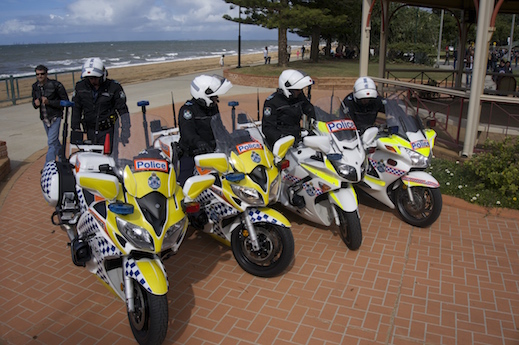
<point>268,215</point>
<point>150,273</point>
<point>345,198</point>
<point>420,178</point>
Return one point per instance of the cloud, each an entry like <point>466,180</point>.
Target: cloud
<point>16,26</point>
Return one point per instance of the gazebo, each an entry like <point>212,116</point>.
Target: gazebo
<point>481,12</point>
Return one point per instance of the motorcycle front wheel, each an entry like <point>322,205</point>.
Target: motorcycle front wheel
<point>425,208</point>
<point>149,320</point>
<point>274,255</point>
<point>350,229</point>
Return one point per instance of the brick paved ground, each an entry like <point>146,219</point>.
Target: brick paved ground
<point>454,283</point>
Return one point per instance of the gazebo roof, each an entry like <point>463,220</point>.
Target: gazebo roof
<point>508,6</point>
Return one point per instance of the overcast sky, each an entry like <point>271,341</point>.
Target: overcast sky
<point>56,21</point>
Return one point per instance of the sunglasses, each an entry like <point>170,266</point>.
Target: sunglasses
<point>41,73</point>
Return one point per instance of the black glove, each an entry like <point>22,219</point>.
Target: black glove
<point>125,135</point>
<point>202,147</point>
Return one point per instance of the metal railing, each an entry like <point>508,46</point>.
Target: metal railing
<point>499,114</point>
<point>16,88</point>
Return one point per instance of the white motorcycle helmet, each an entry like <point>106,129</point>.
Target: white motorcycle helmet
<point>94,67</point>
<point>364,90</point>
<point>292,79</point>
<point>204,87</point>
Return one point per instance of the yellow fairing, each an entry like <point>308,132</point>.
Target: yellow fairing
<point>244,163</point>
<point>323,174</point>
<point>375,181</point>
<point>283,148</point>
<point>275,215</point>
<point>153,275</point>
<point>175,214</point>
<point>430,134</point>
<point>137,184</point>
<point>218,163</point>
<point>322,127</point>
<point>106,186</point>
<point>395,142</point>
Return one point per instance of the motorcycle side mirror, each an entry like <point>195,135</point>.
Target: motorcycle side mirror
<point>319,143</point>
<point>431,123</point>
<point>392,129</point>
<point>281,147</point>
<point>369,136</point>
<point>216,161</point>
<point>195,185</point>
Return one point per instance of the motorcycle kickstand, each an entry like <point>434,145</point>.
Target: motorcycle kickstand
<point>252,232</point>
<point>128,289</point>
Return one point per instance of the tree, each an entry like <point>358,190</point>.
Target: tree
<point>269,14</point>
<point>320,19</point>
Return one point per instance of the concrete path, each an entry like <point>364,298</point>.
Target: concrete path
<point>23,131</point>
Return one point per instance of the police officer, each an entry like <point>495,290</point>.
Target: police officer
<point>196,135</point>
<point>98,101</point>
<point>364,103</point>
<point>282,111</point>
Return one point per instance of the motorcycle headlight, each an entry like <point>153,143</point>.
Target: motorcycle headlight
<point>347,171</point>
<point>174,234</point>
<point>136,235</point>
<point>249,195</point>
<point>417,159</point>
<point>274,189</point>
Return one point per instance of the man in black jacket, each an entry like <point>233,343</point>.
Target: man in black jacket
<point>364,103</point>
<point>283,110</point>
<point>196,134</point>
<point>47,95</point>
<point>98,102</point>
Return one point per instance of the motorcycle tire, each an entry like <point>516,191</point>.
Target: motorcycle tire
<point>425,209</point>
<point>149,320</point>
<point>350,229</point>
<point>275,254</point>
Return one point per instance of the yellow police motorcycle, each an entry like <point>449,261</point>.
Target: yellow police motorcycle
<point>235,209</point>
<point>318,184</point>
<point>124,213</point>
<point>396,173</point>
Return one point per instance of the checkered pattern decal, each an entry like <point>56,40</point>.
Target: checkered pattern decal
<point>132,270</point>
<point>216,209</point>
<point>258,216</point>
<point>390,170</point>
<point>90,230</point>
<point>47,174</point>
<point>308,187</point>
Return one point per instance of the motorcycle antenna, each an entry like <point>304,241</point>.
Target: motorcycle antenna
<point>174,112</point>
<point>257,101</point>
<point>66,105</point>
<point>143,105</point>
<point>331,99</point>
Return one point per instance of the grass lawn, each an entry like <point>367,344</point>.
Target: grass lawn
<point>328,67</point>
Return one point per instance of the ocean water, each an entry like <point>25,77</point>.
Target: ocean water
<point>21,59</point>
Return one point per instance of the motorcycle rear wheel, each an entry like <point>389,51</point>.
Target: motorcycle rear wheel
<point>350,229</point>
<point>425,209</point>
<point>275,253</point>
<point>149,320</point>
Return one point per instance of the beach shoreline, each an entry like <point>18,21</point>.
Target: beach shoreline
<point>135,74</point>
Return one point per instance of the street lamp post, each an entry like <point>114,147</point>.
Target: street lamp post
<point>239,38</point>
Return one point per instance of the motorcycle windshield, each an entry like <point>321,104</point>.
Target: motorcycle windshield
<point>398,115</point>
<point>330,111</point>
<point>243,146</point>
<point>133,143</point>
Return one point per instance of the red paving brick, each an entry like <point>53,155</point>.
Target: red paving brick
<point>456,282</point>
